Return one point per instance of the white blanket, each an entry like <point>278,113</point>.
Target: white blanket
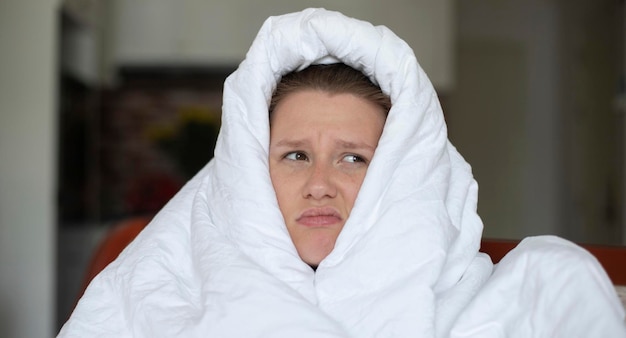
<point>217,261</point>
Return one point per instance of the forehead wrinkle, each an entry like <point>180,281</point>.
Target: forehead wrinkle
<point>340,143</point>
<point>344,144</point>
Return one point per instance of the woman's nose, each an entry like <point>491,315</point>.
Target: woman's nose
<point>320,183</point>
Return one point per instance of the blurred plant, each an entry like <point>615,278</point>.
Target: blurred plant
<point>190,141</point>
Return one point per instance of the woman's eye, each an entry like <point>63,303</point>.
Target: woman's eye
<point>353,158</point>
<point>296,156</point>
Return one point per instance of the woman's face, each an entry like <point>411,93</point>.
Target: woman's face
<point>320,147</point>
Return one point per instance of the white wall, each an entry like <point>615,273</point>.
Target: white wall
<point>503,115</point>
<point>220,32</point>
<point>590,44</point>
<point>27,167</point>
<point>532,113</point>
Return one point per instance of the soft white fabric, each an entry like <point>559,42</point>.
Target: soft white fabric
<point>545,287</point>
<point>217,261</point>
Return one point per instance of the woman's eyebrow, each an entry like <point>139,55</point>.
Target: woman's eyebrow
<point>290,143</point>
<point>354,145</point>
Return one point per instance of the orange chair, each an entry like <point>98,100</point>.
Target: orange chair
<point>115,240</point>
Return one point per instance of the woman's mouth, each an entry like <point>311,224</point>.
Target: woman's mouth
<point>319,217</point>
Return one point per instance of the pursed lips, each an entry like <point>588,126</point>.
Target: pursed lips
<point>319,217</point>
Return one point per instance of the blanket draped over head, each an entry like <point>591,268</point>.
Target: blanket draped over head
<point>217,261</point>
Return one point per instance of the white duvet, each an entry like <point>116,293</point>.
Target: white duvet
<point>217,261</point>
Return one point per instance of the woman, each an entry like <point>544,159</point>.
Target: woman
<point>328,219</point>
<point>325,124</point>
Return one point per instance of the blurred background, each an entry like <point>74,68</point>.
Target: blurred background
<point>108,107</point>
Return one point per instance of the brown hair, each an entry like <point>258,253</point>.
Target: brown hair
<point>332,78</point>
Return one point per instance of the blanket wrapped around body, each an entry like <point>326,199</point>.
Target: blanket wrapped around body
<point>217,261</point>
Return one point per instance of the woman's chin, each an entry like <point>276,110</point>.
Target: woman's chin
<point>314,255</point>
